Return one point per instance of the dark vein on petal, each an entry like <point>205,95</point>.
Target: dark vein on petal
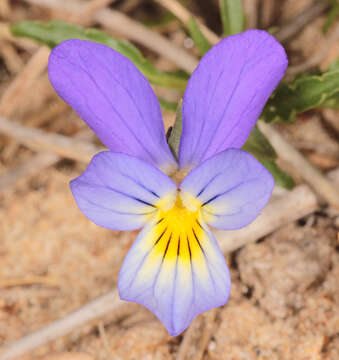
<point>165,252</point>
<point>229,190</point>
<point>196,237</point>
<point>117,113</point>
<point>140,184</point>
<point>159,238</point>
<point>189,250</point>
<point>208,183</point>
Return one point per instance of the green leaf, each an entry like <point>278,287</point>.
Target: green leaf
<point>304,93</point>
<point>331,16</point>
<point>332,102</point>
<point>54,32</point>
<point>334,66</point>
<point>280,177</point>
<point>231,16</point>
<point>198,37</point>
<point>174,138</point>
<point>258,145</point>
<point>161,20</point>
<point>168,105</point>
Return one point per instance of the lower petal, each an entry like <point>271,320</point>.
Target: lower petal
<point>177,272</point>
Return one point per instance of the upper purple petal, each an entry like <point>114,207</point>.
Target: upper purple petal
<point>227,92</point>
<point>113,98</point>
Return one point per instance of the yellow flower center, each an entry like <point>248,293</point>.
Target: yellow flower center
<point>178,229</point>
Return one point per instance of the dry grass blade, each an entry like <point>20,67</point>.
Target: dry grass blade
<point>184,16</point>
<point>28,169</point>
<point>267,12</point>
<point>197,337</point>
<point>118,22</point>
<point>39,140</point>
<point>189,339</point>
<point>104,339</point>
<point>311,12</point>
<point>310,174</point>
<point>26,44</point>
<point>67,356</point>
<point>24,82</point>
<point>86,15</point>
<point>207,332</point>
<point>35,165</point>
<point>331,116</point>
<point>251,13</point>
<point>93,310</point>
<point>319,56</point>
<point>44,280</point>
<point>11,58</point>
<point>5,8</point>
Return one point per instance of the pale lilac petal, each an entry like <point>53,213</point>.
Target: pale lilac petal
<point>119,192</point>
<point>232,188</point>
<point>226,94</point>
<point>175,276</point>
<point>113,98</point>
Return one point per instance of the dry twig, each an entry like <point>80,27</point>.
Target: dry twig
<point>35,165</point>
<point>26,44</point>
<point>11,58</point>
<point>44,280</point>
<point>331,116</point>
<point>310,174</point>
<point>39,140</point>
<point>184,16</point>
<point>293,27</point>
<point>92,311</point>
<point>209,325</point>
<point>28,169</point>
<point>317,58</point>
<point>267,11</point>
<point>118,22</point>
<point>24,82</point>
<point>5,9</point>
<point>86,15</point>
<point>104,339</point>
<point>251,13</point>
<point>189,337</point>
<point>67,356</point>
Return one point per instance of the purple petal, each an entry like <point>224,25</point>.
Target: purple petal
<point>232,188</point>
<point>174,274</point>
<point>119,192</point>
<point>113,98</point>
<point>227,93</point>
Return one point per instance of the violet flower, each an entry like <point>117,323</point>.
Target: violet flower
<point>175,267</point>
